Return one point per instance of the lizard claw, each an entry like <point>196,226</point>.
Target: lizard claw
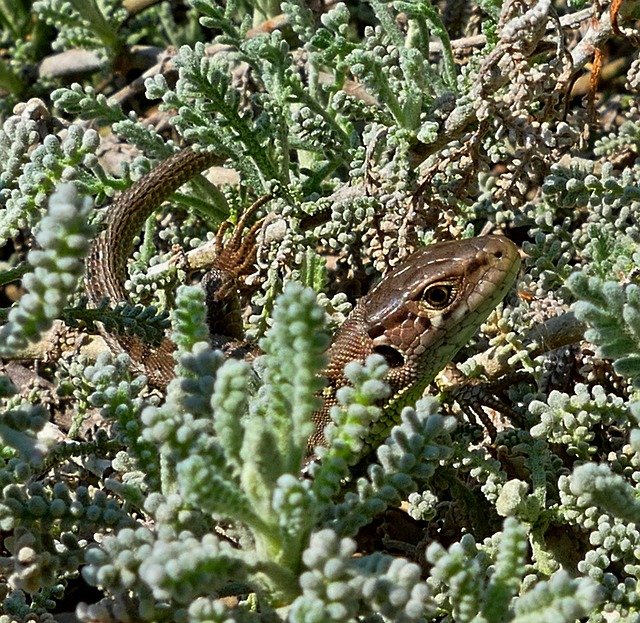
<point>237,255</point>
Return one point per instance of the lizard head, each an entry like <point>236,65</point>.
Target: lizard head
<point>428,306</point>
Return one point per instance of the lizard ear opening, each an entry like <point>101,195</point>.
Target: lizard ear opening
<point>392,356</point>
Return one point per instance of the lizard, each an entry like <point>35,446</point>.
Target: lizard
<point>417,317</point>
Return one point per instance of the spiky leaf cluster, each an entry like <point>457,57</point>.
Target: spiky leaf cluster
<point>63,237</point>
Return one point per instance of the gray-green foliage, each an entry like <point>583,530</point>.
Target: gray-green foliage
<point>613,315</point>
<point>479,593</point>
<point>372,139</point>
<point>63,236</point>
<point>243,467</point>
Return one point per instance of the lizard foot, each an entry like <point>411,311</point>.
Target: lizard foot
<point>224,283</point>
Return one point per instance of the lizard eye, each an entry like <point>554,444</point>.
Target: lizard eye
<point>439,295</point>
